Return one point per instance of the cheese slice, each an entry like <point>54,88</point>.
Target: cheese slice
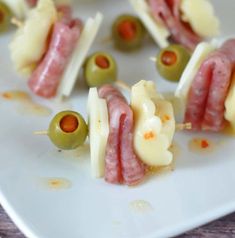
<point>30,41</point>
<point>199,55</point>
<point>19,8</point>
<point>154,124</point>
<point>98,123</point>
<point>229,104</point>
<point>85,41</point>
<point>201,17</point>
<point>159,32</point>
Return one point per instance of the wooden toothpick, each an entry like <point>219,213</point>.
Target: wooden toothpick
<point>40,132</point>
<point>184,126</point>
<point>122,84</point>
<point>16,22</point>
<point>154,59</point>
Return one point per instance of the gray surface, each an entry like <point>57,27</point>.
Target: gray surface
<point>222,228</point>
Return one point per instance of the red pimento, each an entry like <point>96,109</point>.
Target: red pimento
<point>69,123</point>
<point>204,144</point>
<point>127,30</point>
<point>169,58</point>
<point>102,62</point>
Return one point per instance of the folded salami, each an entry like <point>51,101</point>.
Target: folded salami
<point>207,87</point>
<point>121,162</point>
<point>52,53</point>
<point>126,140</point>
<point>186,22</point>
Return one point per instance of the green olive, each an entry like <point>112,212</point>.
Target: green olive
<point>5,17</point>
<point>171,62</point>
<point>68,130</point>
<point>127,32</point>
<point>100,68</point>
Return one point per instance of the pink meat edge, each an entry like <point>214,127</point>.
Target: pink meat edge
<point>112,153</point>
<point>133,170</point>
<point>197,97</point>
<point>171,19</point>
<point>45,79</point>
<point>221,78</point>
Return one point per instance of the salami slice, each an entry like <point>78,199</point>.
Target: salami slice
<point>121,162</point>
<point>205,106</point>
<point>32,3</point>
<point>45,79</point>
<point>167,12</point>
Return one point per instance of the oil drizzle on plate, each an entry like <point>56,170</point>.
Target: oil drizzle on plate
<point>201,145</point>
<point>140,206</point>
<point>56,183</point>
<point>228,131</point>
<point>175,150</point>
<point>25,104</point>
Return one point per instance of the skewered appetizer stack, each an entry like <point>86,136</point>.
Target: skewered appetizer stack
<point>127,139</point>
<point>186,22</point>
<point>124,139</point>
<point>52,53</point>
<point>206,88</point>
<point>19,9</point>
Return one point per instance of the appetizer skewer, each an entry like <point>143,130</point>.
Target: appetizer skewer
<point>124,140</point>
<point>206,88</point>
<point>53,67</point>
<point>187,22</point>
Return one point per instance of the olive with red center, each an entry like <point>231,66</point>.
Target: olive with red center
<point>127,32</point>
<point>100,68</point>
<point>5,17</point>
<point>68,130</point>
<point>171,62</point>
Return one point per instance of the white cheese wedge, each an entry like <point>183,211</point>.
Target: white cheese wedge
<point>154,124</point>
<point>85,41</point>
<point>200,53</point>
<point>98,123</point>
<point>201,17</point>
<point>30,41</point>
<point>229,104</point>
<point>19,8</point>
<point>159,32</point>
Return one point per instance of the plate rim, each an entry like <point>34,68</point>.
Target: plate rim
<point>176,230</point>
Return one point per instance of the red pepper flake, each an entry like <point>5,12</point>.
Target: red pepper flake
<point>149,135</point>
<point>204,144</point>
<point>165,118</point>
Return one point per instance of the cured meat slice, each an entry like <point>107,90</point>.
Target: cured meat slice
<point>121,162</point>
<point>205,106</point>
<point>167,12</point>
<point>45,79</point>
<point>32,3</point>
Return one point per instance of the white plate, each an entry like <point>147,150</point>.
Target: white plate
<point>199,190</point>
